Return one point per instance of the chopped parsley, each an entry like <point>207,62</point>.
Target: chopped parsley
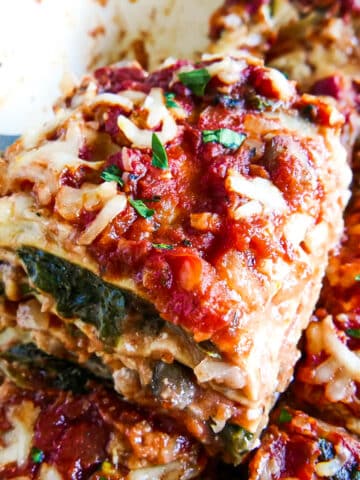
<point>163,246</point>
<point>170,100</point>
<point>285,416</point>
<point>37,455</point>
<point>112,173</point>
<point>159,158</point>
<point>141,208</point>
<point>196,80</point>
<point>226,137</point>
<point>357,277</point>
<point>353,332</point>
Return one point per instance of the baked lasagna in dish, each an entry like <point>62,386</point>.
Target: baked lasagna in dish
<point>298,446</point>
<point>315,43</point>
<point>58,422</point>
<point>176,226</point>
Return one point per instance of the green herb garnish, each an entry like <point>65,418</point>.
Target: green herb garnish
<point>187,243</point>
<point>159,159</point>
<point>357,277</point>
<point>37,455</point>
<point>226,137</point>
<point>141,208</point>
<point>285,416</point>
<point>112,173</point>
<point>196,80</point>
<point>170,100</point>
<point>355,474</point>
<point>163,246</point>
<point>237,441</point>
<point>353,332</point>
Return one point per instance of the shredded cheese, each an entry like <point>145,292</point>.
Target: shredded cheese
<point>43,165</point>
<point>220,372</point>
<point>17,441</point>
<point>340,352</point>
<point>70,201</point>
<point>112,208</point>
<point>157,114</point>
<point>257,188</point>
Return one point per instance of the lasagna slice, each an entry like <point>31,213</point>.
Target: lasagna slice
<point>176,225</point>
<point>328,376</point>
<point>57,422</point>
<point>298,446</point>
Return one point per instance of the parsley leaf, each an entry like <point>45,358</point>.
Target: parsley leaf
<point>141,208</point>
<point>170,100</point>
<point>37,455</point>
<point>285,416</point>
<point>226,137</point>
<point>112,173</point>
<point>196,80</point>
<point>353,332</point>
<point>159,159</point>
<point>163,246</point>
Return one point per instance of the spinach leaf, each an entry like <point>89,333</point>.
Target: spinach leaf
<point>80,293</point>
<point>237,441</point>
<point>29,367</point>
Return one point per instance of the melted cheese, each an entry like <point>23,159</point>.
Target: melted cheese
<point>157,114</point>
<point>70,201</point>
<point>112,208</point>
<point>49,472</point>
<point>17,441</point>
<point>257,188</point>
<point>43,165</point>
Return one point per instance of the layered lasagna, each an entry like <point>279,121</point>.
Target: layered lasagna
<point>174,228</point>
<point>327,379</point>
<point>57,422</point>
<point>298,446</point>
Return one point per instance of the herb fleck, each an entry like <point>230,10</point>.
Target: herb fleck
<point>196,80</point>
<point>159,159</point>
<point>112,173</point>
<point>285,416</point>
<point>353,332</point>
<point>141,208</point>
<point>37,455</point>
<point>163,246</point>
<point>170,100</point>
<point>226,137</point>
